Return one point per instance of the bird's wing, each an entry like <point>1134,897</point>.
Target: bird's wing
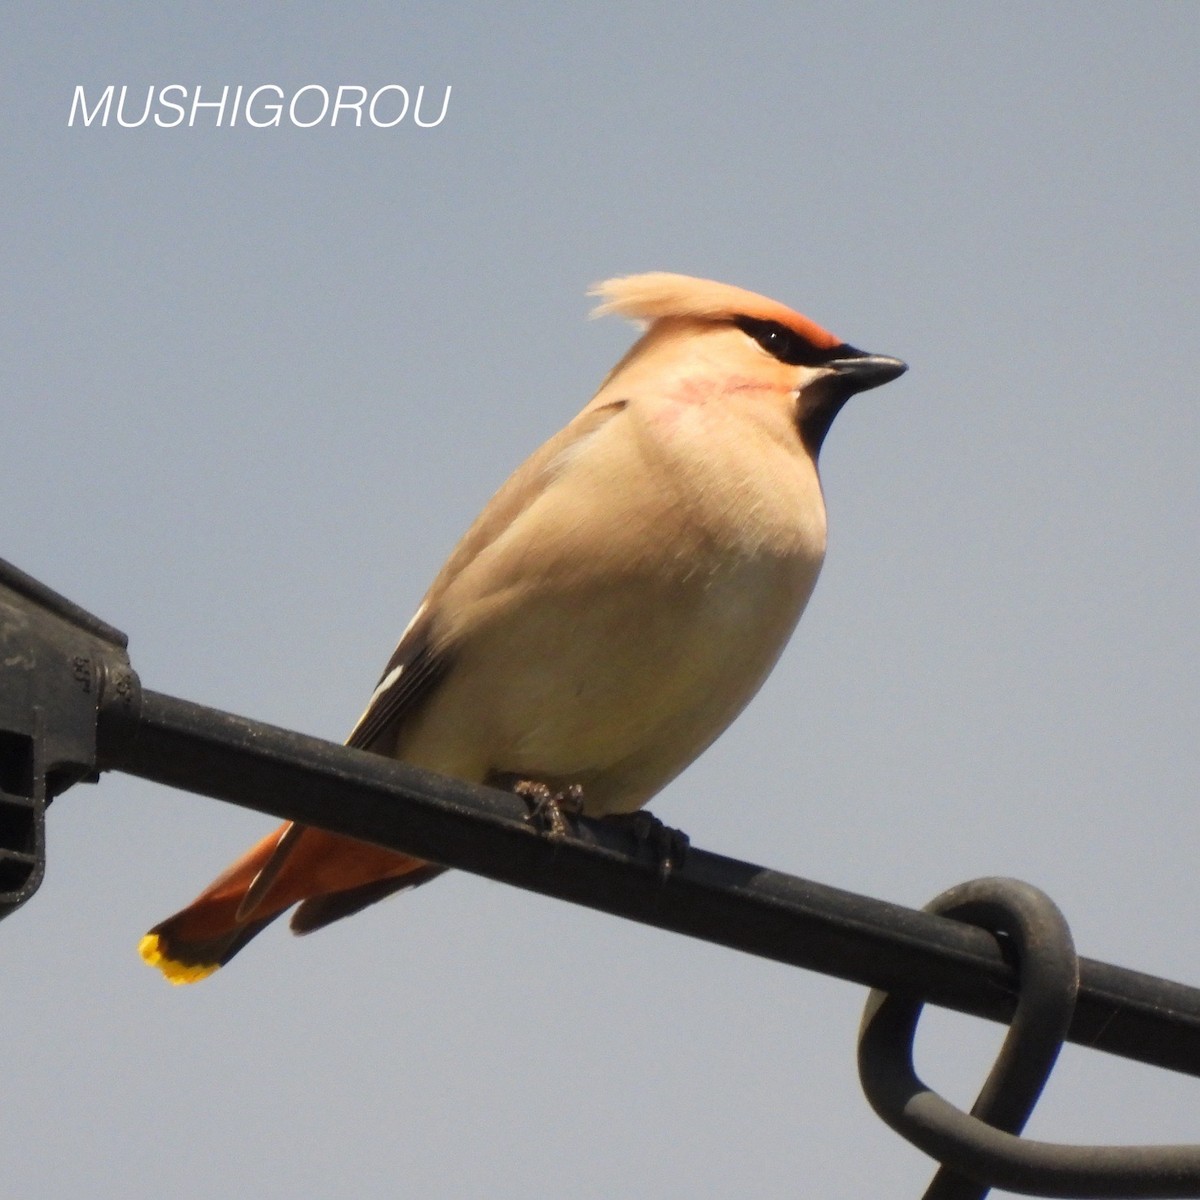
<point>423,656</point>
<point>536,475</point>
<point>420,661</point>
<point>410,676</point>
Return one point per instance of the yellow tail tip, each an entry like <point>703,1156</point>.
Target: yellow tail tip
<point>176,972</point>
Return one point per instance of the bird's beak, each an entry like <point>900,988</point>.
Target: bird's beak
<point>857,371</point>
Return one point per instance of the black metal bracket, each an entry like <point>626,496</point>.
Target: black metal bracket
<point>60,664</point>
<point>71,706</point>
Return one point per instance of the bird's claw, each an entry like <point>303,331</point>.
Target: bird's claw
<point>668,846</point>
<point>554,813</point>
<point>551,811</point>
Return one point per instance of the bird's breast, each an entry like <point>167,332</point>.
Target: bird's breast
<point>617,686</point>
<point>629,613</point>
<point>733,473</point>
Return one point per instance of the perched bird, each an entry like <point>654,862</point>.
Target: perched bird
<point>610,611</point>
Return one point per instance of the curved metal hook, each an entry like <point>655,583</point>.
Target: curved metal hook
<point>980,1150</point>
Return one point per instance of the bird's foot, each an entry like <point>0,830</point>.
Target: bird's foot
<point>668,846</point>
<point>552,811</point>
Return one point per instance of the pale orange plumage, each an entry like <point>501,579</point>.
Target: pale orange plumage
<point>659,294</point>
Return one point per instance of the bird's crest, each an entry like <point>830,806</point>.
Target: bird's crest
<point>659,294</point>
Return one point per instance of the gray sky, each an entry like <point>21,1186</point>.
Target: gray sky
<point>258,381</point>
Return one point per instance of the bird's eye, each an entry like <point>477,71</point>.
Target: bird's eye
<point>782,343</point>
<point>774,339</point>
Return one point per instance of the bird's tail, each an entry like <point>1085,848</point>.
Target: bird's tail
<point>331,877</point>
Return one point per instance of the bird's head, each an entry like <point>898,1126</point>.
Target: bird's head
<point>745,336</point>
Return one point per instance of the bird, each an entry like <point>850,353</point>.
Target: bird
<point>611,610</point>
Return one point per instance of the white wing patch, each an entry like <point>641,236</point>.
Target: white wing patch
<point>411,673</point>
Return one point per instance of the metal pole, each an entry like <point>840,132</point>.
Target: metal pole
<point>718,899</point>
